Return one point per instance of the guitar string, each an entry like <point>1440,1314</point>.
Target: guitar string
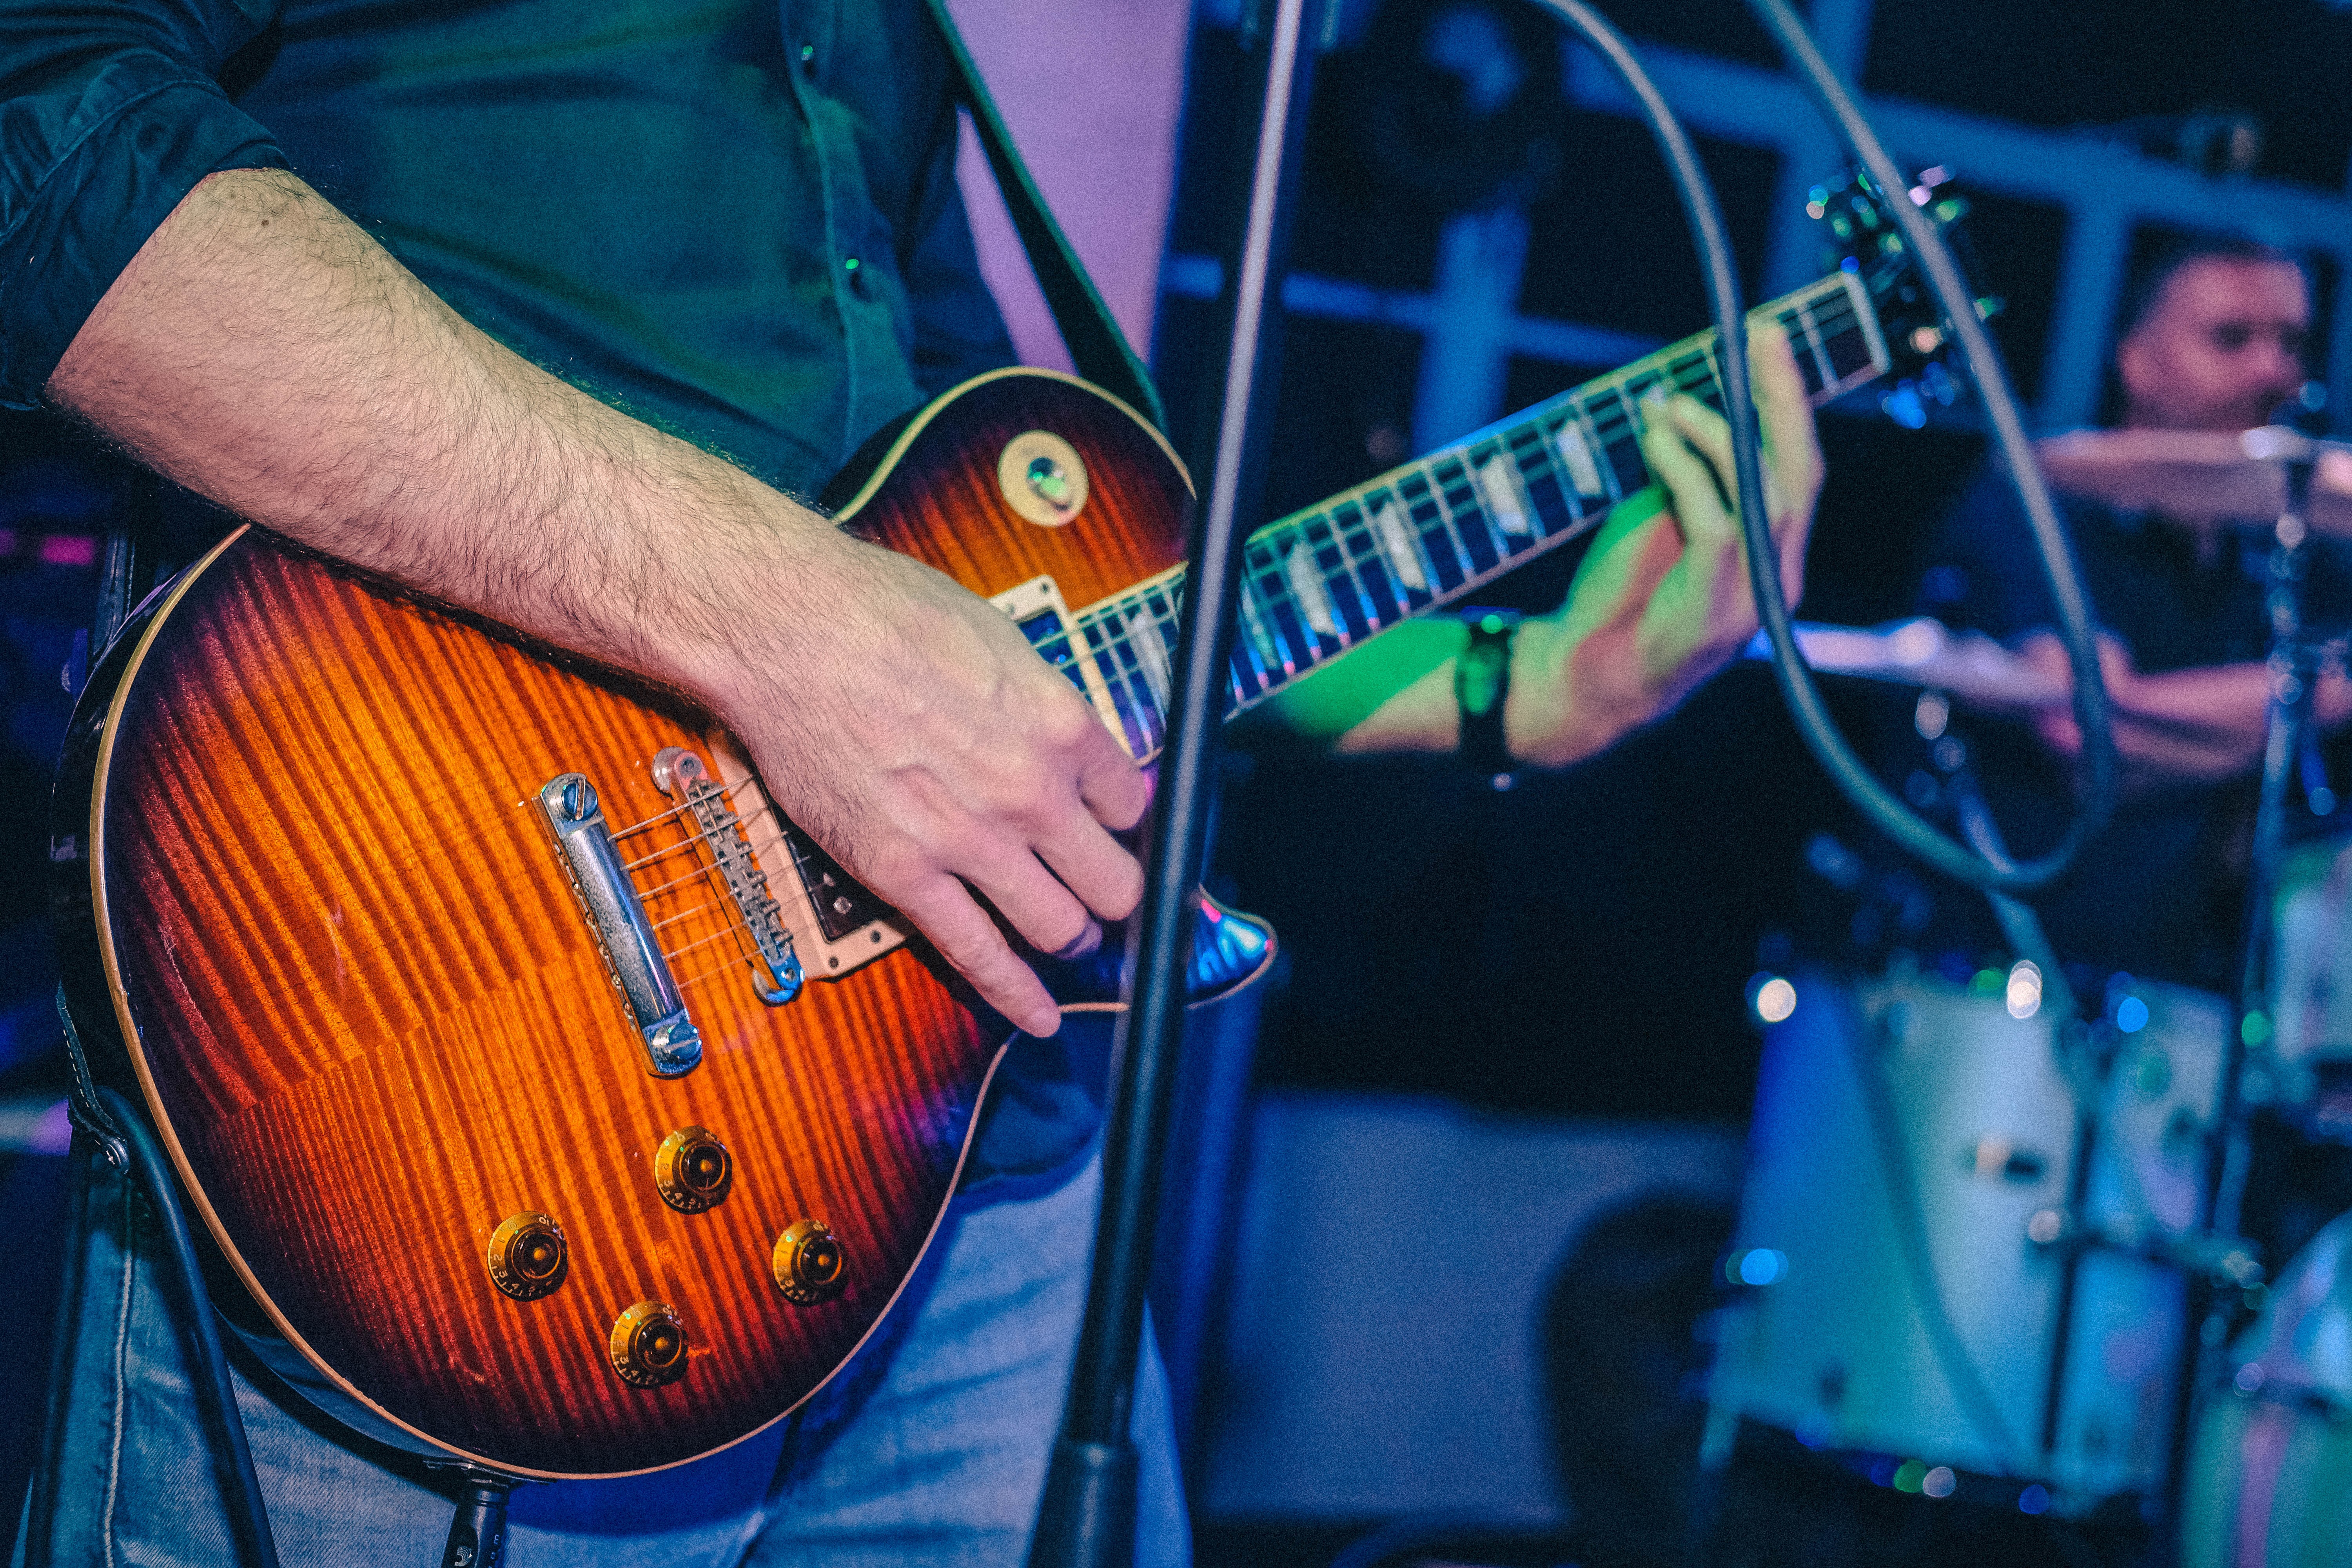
<point>733,928</point>
<point>699,833</point>
<point>1107,641</point>
<point>617,834</point>
<point>717,906</point>
<point>727,792</point>
<point>1692,370</point>
<point>740,956</point>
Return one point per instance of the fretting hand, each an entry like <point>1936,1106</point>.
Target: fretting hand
<point>1659,602</point>
<point>1662,600</point>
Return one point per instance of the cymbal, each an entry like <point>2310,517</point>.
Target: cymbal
<point>1924,652</point>
<point>2199,476</point>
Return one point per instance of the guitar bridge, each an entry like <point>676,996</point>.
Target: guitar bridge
<point>681,774</point>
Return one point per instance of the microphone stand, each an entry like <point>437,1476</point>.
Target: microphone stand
<point>1085,1518</point>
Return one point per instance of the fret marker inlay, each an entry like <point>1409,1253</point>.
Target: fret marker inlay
<point>1396,542</point>
<point>1498,485</point>
<point>1582,471</point>
<point>1307,587</point>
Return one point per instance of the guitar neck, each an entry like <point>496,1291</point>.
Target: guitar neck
<point>1429,534</point>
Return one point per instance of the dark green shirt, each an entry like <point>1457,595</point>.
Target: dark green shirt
<point>737,219</point>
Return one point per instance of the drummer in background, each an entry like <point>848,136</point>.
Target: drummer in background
<point>2214,339</point>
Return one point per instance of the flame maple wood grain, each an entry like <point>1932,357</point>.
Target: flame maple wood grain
<point>367,1013</point>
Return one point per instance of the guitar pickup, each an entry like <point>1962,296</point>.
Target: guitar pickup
<point>842,903</point>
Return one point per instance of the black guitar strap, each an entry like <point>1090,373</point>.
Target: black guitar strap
<point>1096,346</point>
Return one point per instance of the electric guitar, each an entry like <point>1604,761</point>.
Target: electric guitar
<point>556,1102</point>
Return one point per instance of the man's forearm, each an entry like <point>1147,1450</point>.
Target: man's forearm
<point>266,353</point>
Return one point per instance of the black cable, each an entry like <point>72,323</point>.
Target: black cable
<point>1934,258</point>
<point>248,1519</point>
<point>1894,818</point>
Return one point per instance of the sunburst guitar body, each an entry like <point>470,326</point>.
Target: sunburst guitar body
<point>560,1105</point>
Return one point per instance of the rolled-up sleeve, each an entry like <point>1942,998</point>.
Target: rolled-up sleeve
<point>110,113</point>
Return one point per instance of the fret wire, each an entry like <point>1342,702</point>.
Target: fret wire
<point>1254,583</point>
<point>1374,592</point>
<point>1376,595</point>
<point>1438,523</point>
<point>1290,633</point>
<point>1159,667</point>
<point>1100,644</point>
<point>1494,463</point>
<point>1258,612</point>
<point>1633,430</point>
<point>1153,660</point>
<point>1552,429</point>
<point>1475,506</point>
<point>1599,447</point>
<point>1814,342</point>
<point>1837,313</point>
<point>1530,460</point>
<point>1476,530</point>
<point>1354,589</point>
<point>1131,698</point>
<point>1502,464</point>
<point>1310,596</point>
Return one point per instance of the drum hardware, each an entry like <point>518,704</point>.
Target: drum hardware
<point>1997,1289</point>
<point>2206,478</point>
<point>2224,1259</point>
<point>1918,1313</point>
<point>1925,653</point>
<point>2266,1469</point>
<point>2296,460</point>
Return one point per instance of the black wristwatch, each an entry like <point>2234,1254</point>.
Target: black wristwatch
<point>1482,685</point>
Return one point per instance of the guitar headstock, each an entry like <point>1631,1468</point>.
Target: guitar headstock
<point>1861,237</point>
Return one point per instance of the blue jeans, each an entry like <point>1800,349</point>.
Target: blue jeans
<point>930,1447</point>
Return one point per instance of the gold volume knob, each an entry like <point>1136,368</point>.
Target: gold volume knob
<point>648,1345</point>
<point>528,1256</point>
<point>808,1263</point>
<point>693,1169</point>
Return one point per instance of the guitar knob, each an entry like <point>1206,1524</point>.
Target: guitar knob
<point>528,1256</point>
<point>809,1264</point>
<point>648,1345</point>
<point>693,1169</point>
<point>1042,478</point>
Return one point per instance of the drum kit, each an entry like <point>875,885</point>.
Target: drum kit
<point>1979,1240</point>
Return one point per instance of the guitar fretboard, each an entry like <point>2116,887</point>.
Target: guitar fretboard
<point>1418,537</point>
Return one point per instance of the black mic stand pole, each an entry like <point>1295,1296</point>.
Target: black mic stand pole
<point>1086,1516</point>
